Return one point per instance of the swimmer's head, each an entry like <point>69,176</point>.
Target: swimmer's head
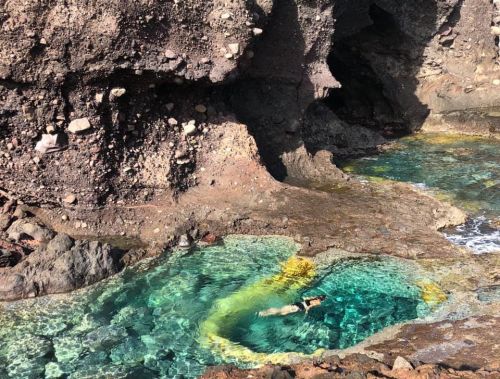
<point>321,297</point>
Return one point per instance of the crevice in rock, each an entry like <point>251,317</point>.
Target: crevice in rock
<point>363,99</point>
<point>376,54</point>
<point>376,65</point>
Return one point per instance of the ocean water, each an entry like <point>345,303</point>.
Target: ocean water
<point>175,316</point>
<point>464,170</point>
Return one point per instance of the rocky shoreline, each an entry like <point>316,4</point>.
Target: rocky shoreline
<point>127,129</point>
<point>352,366</point>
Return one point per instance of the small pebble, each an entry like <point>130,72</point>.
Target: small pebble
<point>118,92</point>
<point>234,48</point>
<point>70,199</point>
<point>200,108</point>
<point>79,125</point>
<point>257,31</point>
<point>169,54</point>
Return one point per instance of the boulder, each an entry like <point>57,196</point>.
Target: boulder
<point>21,229</point>
<point>63,265</point>
<point>60,244</point>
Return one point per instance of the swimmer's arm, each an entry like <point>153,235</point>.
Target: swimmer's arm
<point>306,307</point>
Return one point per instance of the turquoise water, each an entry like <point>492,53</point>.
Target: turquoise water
<point>363,296</point>
<point>146,322</point>
<point>465,170</point>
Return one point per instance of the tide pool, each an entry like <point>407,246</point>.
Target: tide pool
<point>175,316</point>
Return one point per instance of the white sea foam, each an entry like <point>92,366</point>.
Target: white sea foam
<point>421,186</point>
<point>477,235</point>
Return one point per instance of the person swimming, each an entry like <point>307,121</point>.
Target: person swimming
<point>308,303</point>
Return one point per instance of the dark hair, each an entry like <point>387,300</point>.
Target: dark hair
<point>321,297</point>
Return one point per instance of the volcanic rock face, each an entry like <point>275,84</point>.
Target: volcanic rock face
<point>120,71</point>
<point>399,61</point>
<point>62,64</point>
<point>52,263</point>
<point>110,104</point>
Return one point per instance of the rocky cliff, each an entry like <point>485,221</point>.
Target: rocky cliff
<point>111,108</point>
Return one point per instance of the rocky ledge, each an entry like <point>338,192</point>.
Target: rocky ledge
<point>39,261</point>
<point>353,366</point>
<point>445,350</point>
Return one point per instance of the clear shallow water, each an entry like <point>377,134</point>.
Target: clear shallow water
<point>464,170</point>
<point>363,296</point>
<point>156,320</point>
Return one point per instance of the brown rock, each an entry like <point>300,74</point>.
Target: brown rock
<point>79,125</point>
<point>70,199</point>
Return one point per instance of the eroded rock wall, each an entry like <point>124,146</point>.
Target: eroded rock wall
<point>405,64</point>
<point>132,74</point>
<point>102,63</point>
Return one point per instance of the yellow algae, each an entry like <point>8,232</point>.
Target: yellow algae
<point>295,273</point>
<point>445,138</point>
<point>431,293</point>
<point>490,183</point>
<point>348,168</point>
